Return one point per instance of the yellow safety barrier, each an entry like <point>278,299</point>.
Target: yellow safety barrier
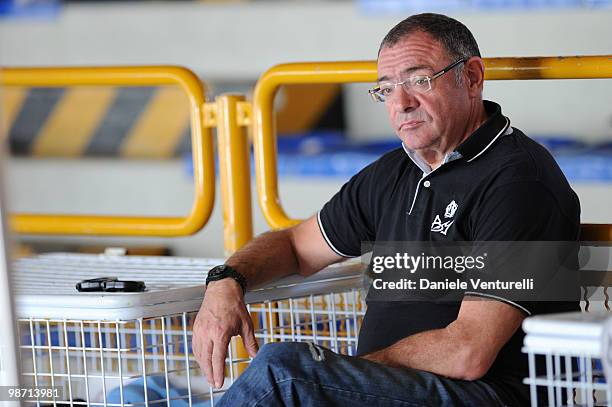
<point>592,232</point>
<point>264,136</point>
<point>202,146</point>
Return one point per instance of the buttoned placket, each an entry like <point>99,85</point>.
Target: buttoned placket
<point>455,155</point>
<point>427,171</point>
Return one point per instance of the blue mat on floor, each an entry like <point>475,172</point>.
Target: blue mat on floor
<point>156,394</point>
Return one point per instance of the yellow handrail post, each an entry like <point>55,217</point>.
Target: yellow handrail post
<point>234,171</point>
<point>202,146</point>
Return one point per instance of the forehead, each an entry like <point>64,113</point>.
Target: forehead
<point>416,50</point>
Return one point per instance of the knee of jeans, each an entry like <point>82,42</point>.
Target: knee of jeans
<point>280,350</point>
<point>281,353</point>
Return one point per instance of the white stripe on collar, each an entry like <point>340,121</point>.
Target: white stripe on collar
<point>502,131</point>
<point>454,155</point>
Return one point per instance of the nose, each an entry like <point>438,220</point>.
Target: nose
<point>403,101</point>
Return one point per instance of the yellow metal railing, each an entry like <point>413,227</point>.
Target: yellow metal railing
<point>230,114</point>
<point>202,146</point>
<point>593,232</point>
<point>264,136</point>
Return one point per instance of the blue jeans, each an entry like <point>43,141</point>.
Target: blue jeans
<point>303,374</point>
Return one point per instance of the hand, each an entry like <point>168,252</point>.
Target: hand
<point>223,314</point>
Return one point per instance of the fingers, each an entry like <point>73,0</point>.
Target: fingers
<point>219,319</point>
<point>205,361</point>
<point>201,346</point>
<point>248,337</point>
<point>218,360</point>
<point>210,354</point>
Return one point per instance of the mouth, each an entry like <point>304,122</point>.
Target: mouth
<point>410,125</point>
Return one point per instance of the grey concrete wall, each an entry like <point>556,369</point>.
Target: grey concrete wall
<point>240,41</point>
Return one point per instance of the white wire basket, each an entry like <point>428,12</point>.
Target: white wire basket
<point>129,349</point>
<point>569,345</point>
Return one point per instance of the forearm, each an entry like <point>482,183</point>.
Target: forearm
<point>441,351</point>
<point>267,257</point>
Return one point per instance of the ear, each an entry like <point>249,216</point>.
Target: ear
<point>474,76</point>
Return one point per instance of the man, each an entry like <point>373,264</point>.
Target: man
<point>457,151</point>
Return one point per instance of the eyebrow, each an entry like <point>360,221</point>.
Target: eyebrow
<point>407,70</point>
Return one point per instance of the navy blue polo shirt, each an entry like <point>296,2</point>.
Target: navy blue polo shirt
<point>498,185</point>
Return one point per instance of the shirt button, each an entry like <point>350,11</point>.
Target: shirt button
<point>426,184</point>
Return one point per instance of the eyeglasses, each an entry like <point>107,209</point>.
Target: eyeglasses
<point>416,83</point>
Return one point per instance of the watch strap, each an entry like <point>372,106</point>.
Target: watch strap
<point>224,271</point>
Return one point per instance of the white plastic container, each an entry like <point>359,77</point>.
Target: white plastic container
<point>571,346</point>
<point>117,349</point>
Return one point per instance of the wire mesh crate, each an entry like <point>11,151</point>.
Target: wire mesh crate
<point>124,349</point>
<point>567,348</point>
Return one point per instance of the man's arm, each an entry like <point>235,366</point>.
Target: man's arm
<point>272,255</point>
<point>223,314</point>
<point>465,349</point>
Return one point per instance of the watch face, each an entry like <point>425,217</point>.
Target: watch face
<point>216,271</point>
<point>225,271</point>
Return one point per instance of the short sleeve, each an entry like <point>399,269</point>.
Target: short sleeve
<point>526,211</point>
<point>346,219</point>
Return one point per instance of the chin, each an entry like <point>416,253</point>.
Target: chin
<point>416,142</point>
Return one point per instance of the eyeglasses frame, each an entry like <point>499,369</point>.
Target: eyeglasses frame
<point>374,91</point>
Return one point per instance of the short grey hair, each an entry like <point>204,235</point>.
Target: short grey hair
<point>455,37</point>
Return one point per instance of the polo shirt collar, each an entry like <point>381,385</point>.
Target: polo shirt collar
<point>476,144</point>
<point>484,136</point>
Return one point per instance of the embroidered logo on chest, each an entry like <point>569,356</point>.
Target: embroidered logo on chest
<point>442,227</point>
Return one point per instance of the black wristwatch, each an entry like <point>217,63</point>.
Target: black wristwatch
<point>224,271</point>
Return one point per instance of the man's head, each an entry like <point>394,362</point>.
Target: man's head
<point>438,114</point>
